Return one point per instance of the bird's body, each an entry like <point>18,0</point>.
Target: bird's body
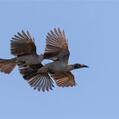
<point>30,59</point>
<point>30,65</point>
<point>57,66</point>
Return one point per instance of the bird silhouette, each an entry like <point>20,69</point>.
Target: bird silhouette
<point>42,76</point>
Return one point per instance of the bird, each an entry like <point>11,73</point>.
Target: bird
<point>38,75</point>
<point>24,49</point>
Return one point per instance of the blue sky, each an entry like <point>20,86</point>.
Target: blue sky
<point>92,29</point>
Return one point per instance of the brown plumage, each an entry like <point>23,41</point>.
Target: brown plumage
<point>23,46</point>
<point>37,75</point>
<point>56,46</point>
<point>7,65</point>
<point>58,51</point>
<point>64,79</point>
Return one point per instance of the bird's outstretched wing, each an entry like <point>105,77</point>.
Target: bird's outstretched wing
<point>22,44</point>
<point>56,46</point>
<point>65,79</point>
<point>37,81</point>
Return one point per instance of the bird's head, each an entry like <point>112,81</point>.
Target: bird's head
<point>77,66</point>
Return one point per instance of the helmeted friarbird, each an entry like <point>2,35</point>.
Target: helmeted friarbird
<point>39,76</point>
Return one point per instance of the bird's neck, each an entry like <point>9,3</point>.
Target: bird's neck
<point>70,67</point>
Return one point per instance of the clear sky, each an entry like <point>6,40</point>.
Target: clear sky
<point>92,28</point>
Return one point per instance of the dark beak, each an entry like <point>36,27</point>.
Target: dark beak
<point>84,66</point>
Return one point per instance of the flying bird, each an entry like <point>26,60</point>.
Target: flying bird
<point>42,76</point>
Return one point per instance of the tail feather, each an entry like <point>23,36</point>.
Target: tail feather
<point>7,65</point>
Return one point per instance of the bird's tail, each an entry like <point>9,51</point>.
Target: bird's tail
<point>7,65</point>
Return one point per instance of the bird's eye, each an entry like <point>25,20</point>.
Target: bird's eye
<point>76,66</point>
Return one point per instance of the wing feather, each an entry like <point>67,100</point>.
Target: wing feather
<point>39,81</point>
<point>22,44</point>
<point>56,46</point>
<point>65,79</point>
